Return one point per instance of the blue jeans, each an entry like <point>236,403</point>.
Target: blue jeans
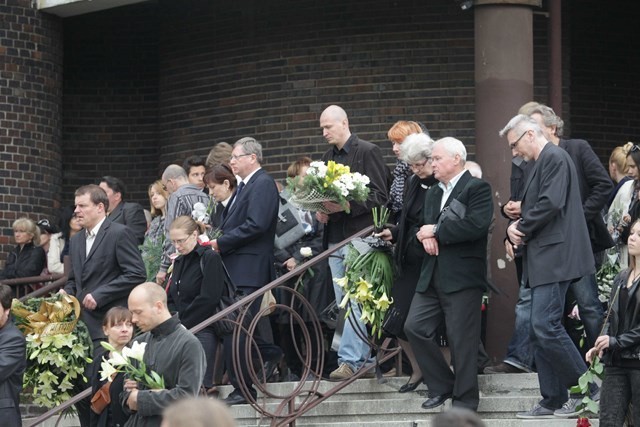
<point>353,350</point>
<point>620,387</point>
<point>585,291</point>
<point>558,361</point>
<point>519,352</point>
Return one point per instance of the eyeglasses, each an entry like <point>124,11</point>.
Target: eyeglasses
<point>634,149</point>
<point>181,241</point>
<point>421,164</point>
<point>237,157</point>
<point>514,144</point>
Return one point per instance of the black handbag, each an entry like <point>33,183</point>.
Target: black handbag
<point>230,296</point>
<point>393,323</point>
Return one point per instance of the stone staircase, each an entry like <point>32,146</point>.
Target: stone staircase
<point>367,403</point>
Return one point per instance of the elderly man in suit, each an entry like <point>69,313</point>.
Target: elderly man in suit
<point>552,232</point>
<point>13,362</point>
<point>105,261</point>
<point>127,213</point>
<point>457,214</point>
<point>246,245</point>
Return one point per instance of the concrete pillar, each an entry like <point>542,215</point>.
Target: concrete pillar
<point>30,115</point>
<point>504,81</point>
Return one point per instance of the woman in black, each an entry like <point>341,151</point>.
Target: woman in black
<point>195,285</point>
<point>118,329</point>
<point>27,259</point>
<point>620,347</point>
<point>416,151</point>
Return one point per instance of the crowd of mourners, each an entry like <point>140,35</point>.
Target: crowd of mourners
<point>213,226</point>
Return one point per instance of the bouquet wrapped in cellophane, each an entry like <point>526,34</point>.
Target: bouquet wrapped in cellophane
<point>332,182</point>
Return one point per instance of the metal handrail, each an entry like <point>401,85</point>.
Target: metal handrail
<point>313,397</point>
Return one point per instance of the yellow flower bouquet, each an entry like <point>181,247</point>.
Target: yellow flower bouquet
<point>368,280</point>
<point>333,182</point>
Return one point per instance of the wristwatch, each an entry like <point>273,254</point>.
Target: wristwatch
<point>435,230</point>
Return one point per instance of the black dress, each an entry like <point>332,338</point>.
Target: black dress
<point>409,252</point>
<point>113,415</point>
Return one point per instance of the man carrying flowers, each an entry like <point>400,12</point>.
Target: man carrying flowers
<point>171,351</point>
<point>365,158</point>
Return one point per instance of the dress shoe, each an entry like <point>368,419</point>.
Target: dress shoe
<point>268,373</point>
<point>503,368</point>
<point>235,398</point>
<point>406,388</point>
<point>434,402</point>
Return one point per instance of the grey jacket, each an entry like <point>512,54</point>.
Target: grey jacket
<point>176,354</point>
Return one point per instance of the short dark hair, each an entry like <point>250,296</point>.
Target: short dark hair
<point>116,185</point>
<point>96,194</point>
<point>218,173</point>
<point>192,162</point>
<point>115,315</point>
<point>6,296</point>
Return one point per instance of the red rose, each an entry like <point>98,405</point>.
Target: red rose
<point>583,422</point>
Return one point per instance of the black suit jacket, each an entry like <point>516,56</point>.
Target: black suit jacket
<point>131,215</point>
<point>462,259</point>
<point>595,188</point>
<point>13,362</point>
<point>109,273</point>
<point>248,230</point>
<point>556,243</point>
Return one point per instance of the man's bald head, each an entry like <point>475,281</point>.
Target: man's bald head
<point>335,126</point>
<point>148,304</point>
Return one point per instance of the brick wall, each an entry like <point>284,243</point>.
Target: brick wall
<point>111,99</point>
<point>30,115</point>
<point>228,70</point>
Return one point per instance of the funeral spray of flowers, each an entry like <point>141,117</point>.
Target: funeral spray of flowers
<point>130,361</point>
<point>58,346</point>
<point>331,182</point>
<point>368,280</point>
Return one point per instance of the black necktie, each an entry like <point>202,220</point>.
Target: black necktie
<point>240,187</point>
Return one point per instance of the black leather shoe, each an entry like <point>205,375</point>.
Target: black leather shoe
<point>235,398</point>
<point>268,373</point>
<point>434,402</point>
<point>406,388</point>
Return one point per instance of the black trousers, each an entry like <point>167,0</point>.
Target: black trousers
<point>462,316</point>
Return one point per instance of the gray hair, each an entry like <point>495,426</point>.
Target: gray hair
<point>453,147</point>
<point>174,172</point>
<point>250,146</point>
<point>521,123</point>
<point>549,117</point>
<point>416,148</point>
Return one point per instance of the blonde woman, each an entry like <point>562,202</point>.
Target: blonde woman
<point>28,258</point>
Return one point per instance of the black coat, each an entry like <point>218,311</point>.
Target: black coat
<point>131,215</point>
<point>26,262</point>
<point>624,339</point>
<point>196,285</point>
<point>113,415</point>
<point>13,362</point>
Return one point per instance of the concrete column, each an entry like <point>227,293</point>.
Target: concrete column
<point>504,81</point>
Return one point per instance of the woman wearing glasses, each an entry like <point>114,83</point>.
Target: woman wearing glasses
<point>196,284</point>
<point>416,151</point>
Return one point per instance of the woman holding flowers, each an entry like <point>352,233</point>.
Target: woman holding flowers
<point>416,151</point>
<point>118,329</point>
<point>196,284</point>
<point>620,347</point>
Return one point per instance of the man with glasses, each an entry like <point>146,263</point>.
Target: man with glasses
<point>182,197</point>
<point>552,232</point>
<point>246,246</point>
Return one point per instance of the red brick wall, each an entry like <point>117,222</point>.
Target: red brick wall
<point>30,115</point>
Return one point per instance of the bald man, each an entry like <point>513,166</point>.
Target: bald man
<point>366,158</point>
<point>171,351</point>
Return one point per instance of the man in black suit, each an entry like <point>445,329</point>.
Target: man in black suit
<point>105,261</point>
<point>552,232</point>
<point>13,362</point>
<point>366,158</point>
<point>246,245</point>
<point>457,214</point>
<point>125,213</point>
